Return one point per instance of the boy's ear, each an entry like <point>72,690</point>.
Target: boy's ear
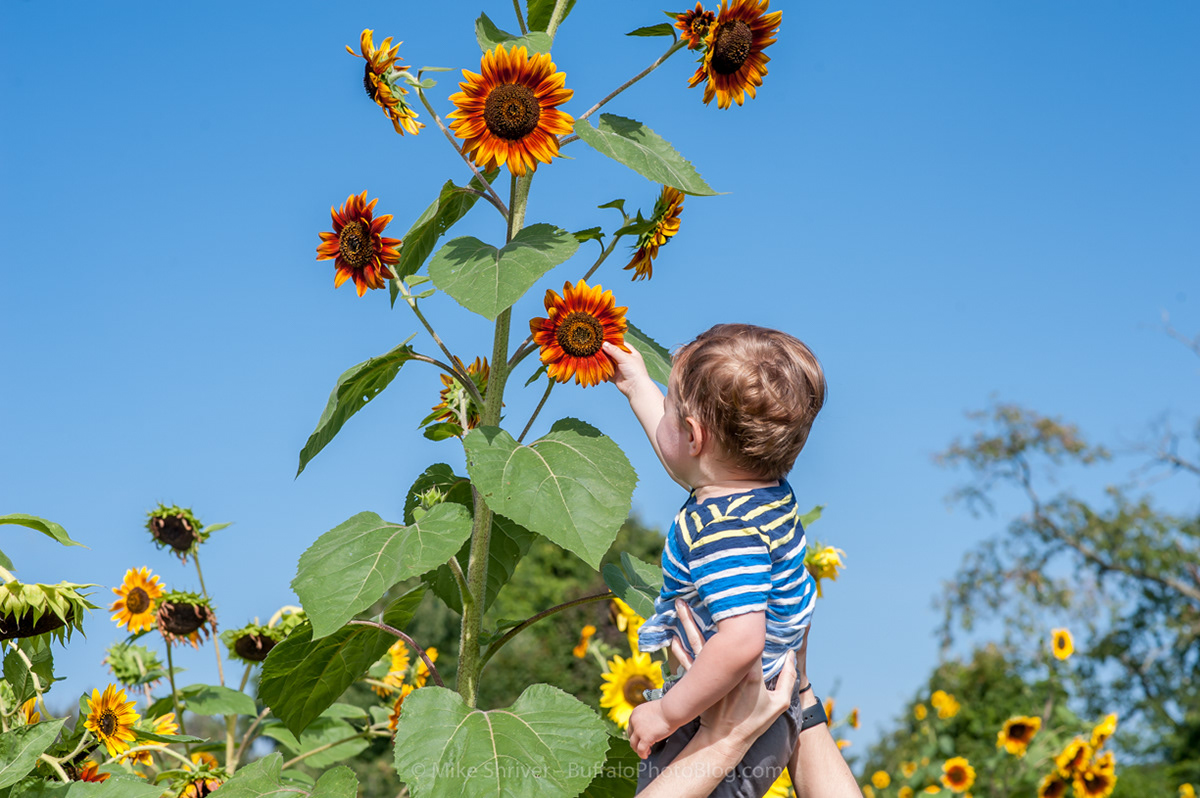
<point>697,436</point>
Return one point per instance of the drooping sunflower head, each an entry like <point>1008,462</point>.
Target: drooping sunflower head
<point>509,113</point>
<point>1018,732</point>
<point>90,771</point>
<point>357,246</point>
<point>624,684</point>
<point>111,718</point>
<point>579,323</point>
<point>1073,758</point>
<point>133,665</point>
<point>34,610</point>
<point>852,719</point>
<point>1104,729</point>
<point>136,598</point>
<point>185,616</point>
<point>252,643</point>
<point>660,228</point>
<point>394,717</point>
<point>585,637</point>
<point>287,618</point>
<point>380,79</point>
<point>1062,643</point>
<point>455,397</point>
<point>176,527</point>
<point>734,62</point>
<point>695,25</point>
<point>1053,785</point>
<point>957,774</point>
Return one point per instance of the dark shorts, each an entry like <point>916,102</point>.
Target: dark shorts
<point>760,767</point>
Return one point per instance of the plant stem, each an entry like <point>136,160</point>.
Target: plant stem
<point>525,624</point>
<point>62,774</point>
<point>158,749</point>
<point>492,197</point>
<point>603,256</point>
<point>204,590</point>
<point>246,737</point>
<point>6,575</point>
<point>174,692</point>
<point>538,409</point>
<point>467,382</point>
<point>461,580</point>
<point>437,677</point>
<point>371,731</point>
<point>37,683</point>
<point>520,17</point>
<point>556,18</point>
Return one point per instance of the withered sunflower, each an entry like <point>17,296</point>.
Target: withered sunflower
<point>695,25</point>
<point>380,83</point>
<point>90,772</point>
<point>624,683</point>
<point>580,322</point>
<point>35,610</point>
<point>252,643</point>
<point>1017,734</point>
<point>454,395</point>
<point>134,606</point>
<point>957,774</point>
<point>664,224</point>
<point>110,717</point>
<point>509,113</point>
<point>185,616</point>
<point>176,527</point>
<point>357,246</point>
<point>734,63</point>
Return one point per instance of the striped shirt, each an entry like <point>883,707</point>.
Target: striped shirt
<point>732,555</point>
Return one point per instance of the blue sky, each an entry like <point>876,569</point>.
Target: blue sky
<point>946,201</point>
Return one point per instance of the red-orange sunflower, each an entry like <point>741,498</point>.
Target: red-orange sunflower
<point>734,63</point>
<point>581,320</point>
<point>665,224</point>
<point>379,83</point>
<point>509,113</point>
<point>695,25</point>
<point>357,246</point>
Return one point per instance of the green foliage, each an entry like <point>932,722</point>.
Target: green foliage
<point>47,528</point>
<point>488,36</point>
<point>618,776</point>
<point>21,747</point>
<point>661,29</point>
<point>263,779</point>
<point>630,142</point>
<point>21,677</point>
<point>635,582</point>
<point>658,359</point>
<point>540,11</point>
<point>211,699</point>
<point>114,787</point>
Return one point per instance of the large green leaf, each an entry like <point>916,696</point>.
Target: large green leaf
<point>21,747</point>
<point>635,582</point>
<point>356,387</point>
<point>546,745</point>
<point>116,786</point>
<point>303,677</point>
<point>540,10</point>
<point>618,777</point>
<point>658,359</point>
<point>644,151</point>
<point>487,280</point>
<point>488,36</point>
<point>573,485</point>
<point>48,528</point>
<point>351,566</point>
<point>661,29</point>
<point>211,699</point>
<point>264,778</point>
<point>326,731</point>
<point>19,675</point>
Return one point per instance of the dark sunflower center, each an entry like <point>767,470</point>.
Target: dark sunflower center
<point>512,111</point>
<point>368,84</point>
<point>137,601</point>
<point>634,687</point>
<point>1018,731</point>
<point>107,723</point>
<point>956,775</point>
<point>176,531</point>
<point>731,47</point>
<point>580,334</point>
<point>355,244</point>
<point>699,26</point>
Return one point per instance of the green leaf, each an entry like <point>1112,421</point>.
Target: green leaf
<point>811,515</point>
<point>488,36</point>
<point>21,747</point>
<point>217,527</point>
<point>540,11</point>
<point>303,677</point>
<point>619,204</point>
<point>168,738</point>
<point>117,786</point>
<point>618,777</point>
<point>6,563</point>
<point>546,745</point>
<point>662,29</point>
<point>590,234</point>
<point>264,778</point>
<point>48,528</point>
<point>211,699</point>
<point>323,731</point>
<point>658,359</point>
<point>644,151</point>
<point>278,732</point>
<point>487,280</point>
<point>635,582</point>
<point>573,485</point>
<point>18,675</point>
<point>441,431</point>
<point>356,387</point>
<point>351,566</point>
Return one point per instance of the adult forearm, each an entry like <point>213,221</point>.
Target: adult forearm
<point>817,767</point>
<point>718,667</point>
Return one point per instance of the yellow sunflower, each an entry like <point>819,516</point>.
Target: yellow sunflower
<point>134,606</point>
<point>908,769</point>
<point>945,704</point>
<point>868,791</point>
<point>905,792</point>
<point>422,673</point>
<point>1017,733</point>
<point>844,744</point>
<point>1187,791</point>
<point>852,719</point>
<point>734,63</point>
<point>932,789</point>
<point>394,718</point>
<point>1052,786</point>
<point>90,772</point>
<point>626,620</point>
<point>664,224</point>
<point>920,711</point>
<point>380,83</point>
<point>957,774</point>
<point>695,25</point>
<point>881,779</point>
<point>111,718</point>
<point>1073,758</point>
<point>28,712</point>
<point>782,788</point>
<point>580,322</point>
<point>823,562</point>
<point>585,637</point>
<point>163,725</point>
<point>454,395</point>
<point>829,702</point>
<point>397,669</point>
<point>1104,729</point>
<point>202,760</point>
<point>624,683</point>
<point>357,245</point>
<point>1062,643</point>
<point>509,113</point>
<point>1098,779</point>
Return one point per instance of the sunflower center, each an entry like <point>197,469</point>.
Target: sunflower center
<point>354,244</point>
<point>107,723</point>
<point>634,686</point>
<point>700,26</point>
<point>731,47</point>
<point>580,334</point>
<point>369,84</point>
<point>138,601</point>
<point>512,111</point>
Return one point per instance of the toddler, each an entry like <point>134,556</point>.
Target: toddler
<point>738,410</point>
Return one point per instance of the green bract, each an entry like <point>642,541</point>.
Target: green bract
<point>35,610</point>
<point>134,665</point>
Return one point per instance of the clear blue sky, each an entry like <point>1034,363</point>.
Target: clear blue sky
<point>945,200</point>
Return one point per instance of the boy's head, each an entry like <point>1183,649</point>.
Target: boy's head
<point>756,391</point>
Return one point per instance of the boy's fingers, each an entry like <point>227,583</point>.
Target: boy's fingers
<point>695,639</point>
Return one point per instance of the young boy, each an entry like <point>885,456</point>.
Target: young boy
<point>738,410</point>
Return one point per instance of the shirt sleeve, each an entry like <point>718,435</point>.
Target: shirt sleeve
<point>730,565</point>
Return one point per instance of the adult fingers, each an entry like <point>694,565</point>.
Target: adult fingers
<point>681,654</point>
<point>695,638</point>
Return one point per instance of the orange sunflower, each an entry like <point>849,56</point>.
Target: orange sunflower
<point>454,394</point>
<point>136,597</point>
<point>90,772</point>
<point>379,83</point>
<point>734,63</point>
<point>357,246</point>
<point>579,323</point>
<point>664,225</point>
<point>695,25</point>
<point>394,717</point>
<point>509,113</point>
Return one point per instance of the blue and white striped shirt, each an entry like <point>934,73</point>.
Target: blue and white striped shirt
<point>731,555</point>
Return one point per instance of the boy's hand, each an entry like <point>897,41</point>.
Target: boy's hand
<point>630,368</point>
<point>647,726</point>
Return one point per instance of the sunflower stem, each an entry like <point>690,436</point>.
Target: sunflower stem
<point>204,590</point>
<point>538,409</point>
<point>371,731</point>
<point>157,748</point>
<point>556,18</point>
<point>603,257</point>
<point>465,381</point>
<point>175,693</point>
<point>53,763</point>
<point>525,624</point>
<point>246,737</point>
<point>437,677</point>
<point>520,16</point>
<point>492,197</point>
<point>461,579</point>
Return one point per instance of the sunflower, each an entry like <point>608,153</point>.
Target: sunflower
<point>624,683</point>
<point>662,227</point>
<point>920,711</point>
<point>585,637</point>
<point>905,792</point>
<point>135,600</point>
<point>176,527</point>
<point>1062,644</point>
<point>868,791</point>
<point>163,725</point>
<point>1053,785</point>
<point>852,719</point>
<point>932,789</point>
<point>1104,729</point>
<point>422,673</point>
<point>185,616</point>
<point>394,718</point>
<point>908,769</point>
<point>133,665</point>
<point>957,774</point>
<point>509,113</point>
<point>881,779</point>
<point>1098,779</point>
<point>357,246</point>
<point>945,704</point>
<point>111,718</point>
<point>782,788</point>
<point>454,395</point>
<point>1187,791</point>
<point>1017,733</point>
<point>579,323</point>
<point>398,662</point>
<point>202,760</point>
<point>33,610</point>
<point>844,744</point>
<point>90,772</point>
<point>1073,758</point>
<point>380,83</point>
<point>626,620</point>
<point>734,63</point>
<point>829,709</point>
<point>823,562</point>
<point>695,25</point>
<point>199,786</point>
<point>252,643</point>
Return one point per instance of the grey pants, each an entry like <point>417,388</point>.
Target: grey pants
<point>759,768</point>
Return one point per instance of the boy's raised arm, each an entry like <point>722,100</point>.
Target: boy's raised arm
<point>644,396</point>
